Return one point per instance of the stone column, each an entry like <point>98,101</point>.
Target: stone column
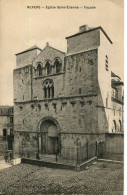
<point>54,69</point>
<point>50,91</point>
<point>42,71</point>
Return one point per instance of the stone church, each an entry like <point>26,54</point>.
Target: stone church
<point>64,98</point>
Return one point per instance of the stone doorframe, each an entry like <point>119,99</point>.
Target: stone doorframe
<point>45,121</point>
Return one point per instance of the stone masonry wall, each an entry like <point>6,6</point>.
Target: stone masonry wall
<point>23,84</point>
<point>58,80</point>
<point>73,114</point>
<point>81,73</point>
<point>26,58</point>
<point>83,42</point>
<point>50,54</point>
<point>115,143</point>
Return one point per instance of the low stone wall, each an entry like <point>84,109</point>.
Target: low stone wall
<point>115,143</point>
<point>48,164</point>
<point>112,147</point>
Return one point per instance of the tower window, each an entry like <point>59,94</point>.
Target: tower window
<point>106,63</point>
<point>80,90</point>
<point>4,132</point>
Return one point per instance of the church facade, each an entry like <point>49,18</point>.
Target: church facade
<point>60,98</point>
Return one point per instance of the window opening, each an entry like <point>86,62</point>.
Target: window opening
<point>80,90</point>
<point>11,120</point>
<point>106,63</point>
<point>58,66</point>
<point>4,132</point>
<point>47,65</point>
<point>39,69</point>
<point>48,89</point>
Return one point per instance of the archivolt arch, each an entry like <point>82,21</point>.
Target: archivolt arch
<point>48,121</point>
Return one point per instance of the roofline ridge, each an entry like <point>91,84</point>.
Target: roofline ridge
<point>29,49</point>
<point>92,29</point>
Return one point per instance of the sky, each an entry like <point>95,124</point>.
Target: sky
<point>21,28</point>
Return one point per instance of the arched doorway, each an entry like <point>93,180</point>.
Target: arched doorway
<point>49,136</point>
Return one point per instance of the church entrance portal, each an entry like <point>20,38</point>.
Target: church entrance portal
<point>48,138</point>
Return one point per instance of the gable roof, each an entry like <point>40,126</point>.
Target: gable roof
<point>92,29</point>
<point>31,48</point>
<point>53,48</point>
<point>48,46</point>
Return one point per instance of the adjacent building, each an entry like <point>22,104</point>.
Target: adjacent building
<point>6,128</point>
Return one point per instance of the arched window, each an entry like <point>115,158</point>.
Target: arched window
<point>114,126</point>
<point>39,69</point>
<point>58,65</point>
<point>48,88</point>
<point>120,126</point>
<point>48,66</point>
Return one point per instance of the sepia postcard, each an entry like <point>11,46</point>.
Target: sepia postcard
<point>62,97</point>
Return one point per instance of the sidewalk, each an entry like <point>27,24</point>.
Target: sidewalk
<point>4,165</point>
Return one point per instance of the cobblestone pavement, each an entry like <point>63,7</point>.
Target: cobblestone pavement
<point>99,179</point>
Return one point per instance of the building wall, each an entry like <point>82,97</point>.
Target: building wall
<point>6,119</point>
<point>72,114</point>
<point>5,124</point>
<point>26,58</point>
<point>38,86</point>
<point>104,84</point>
<point>22,79</point>
<point>81,73</point>
<point>49,53</point>
<point>116,115</point>
<point>115,143</point>
<point>83,42</point>
<point>6,127</point>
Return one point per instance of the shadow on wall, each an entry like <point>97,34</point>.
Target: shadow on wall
<point>103,123</point>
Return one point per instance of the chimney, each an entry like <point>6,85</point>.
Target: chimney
<point>83,28</point>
